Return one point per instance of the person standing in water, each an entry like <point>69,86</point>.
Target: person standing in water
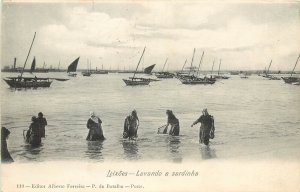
<point>33,135</point>
<point>42,123</point>
<point>207,128</point>
<point>131,125</point>
<point>174,122</point>
<point>5,156</point>
<point>95,128</point>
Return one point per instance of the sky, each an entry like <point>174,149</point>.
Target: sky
<point>244,36</point>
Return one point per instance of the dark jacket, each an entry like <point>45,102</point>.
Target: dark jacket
<point>95,130</point>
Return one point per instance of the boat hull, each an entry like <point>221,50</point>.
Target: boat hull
<point>13,83</point>
<point>132,82</point>
<point>197,81</point>
<point>290,80</point>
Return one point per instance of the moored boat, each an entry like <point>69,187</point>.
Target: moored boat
<point>291,79</point>
<point>133,81</point>
<point>28,82</point>
<point>72,68</point>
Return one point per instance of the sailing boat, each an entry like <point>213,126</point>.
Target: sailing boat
<point>28,82</point>
<point>292,80</point>
<point>220,76</point>
<point>132,81</point>
<point>72,68</point>
<point>88,72</point>
<point>270,77</point>
<point>164,75</point>
<point>149,69</point>
<point>194,79</point>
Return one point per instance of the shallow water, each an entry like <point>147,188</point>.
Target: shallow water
<point>254,118</point>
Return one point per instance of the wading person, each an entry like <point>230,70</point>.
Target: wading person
<point>207,128</point>
<point>5,156</point>
<point>42,123</point>
<point>33,135</point>
<point>131,125</point>
<point>174,122</point>
<point>95,128</point>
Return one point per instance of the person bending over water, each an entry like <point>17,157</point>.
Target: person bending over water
<point>207,128</point>
<point>174,122</point>
<point>42,123</point>
<point>33,135</point>
<point>95,128</point>
<point>131,125</point>
<point>5,156</point>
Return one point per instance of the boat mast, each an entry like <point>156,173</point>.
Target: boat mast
<point>183,65</point>
<point>200,63</point>
<point>219,66</point>
<point>212,68</point>
<point>164,65</point>
<point>28,55</point>
<point>138,63</point>
<point>192,60</point>
<point>269,68</point>
<point>295,65</point>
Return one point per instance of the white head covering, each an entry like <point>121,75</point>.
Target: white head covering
<point>205,112</point>
<point>94,117</point>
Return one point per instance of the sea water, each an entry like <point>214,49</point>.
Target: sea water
<point>255,118</point>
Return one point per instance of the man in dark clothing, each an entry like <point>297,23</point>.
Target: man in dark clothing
<point>5,156</point>
<point>42,123</point>
<point>207,127</point>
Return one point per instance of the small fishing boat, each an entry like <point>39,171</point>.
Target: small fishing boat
<point>291,79</point>
<point>195,79</point>
<point>164,75</point>
<point>88,72</point>
<point>220,76</point>
<point>133,81</point>
<point>28,82</point>
<point>72,68</point>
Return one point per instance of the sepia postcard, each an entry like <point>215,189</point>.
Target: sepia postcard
<point>145,96</point>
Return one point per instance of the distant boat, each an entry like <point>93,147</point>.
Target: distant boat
<point>133,81</point>
<point>148,70</point>
<point>72,68</point>
<point>194,79</point>
<point>268,76</point>
<point>244,76</point>
<point>164,75</point>
<point>292,80</point>
<point>87,73</point>
<point>28,82</point>
<point>220,76</point>
<point>100,71</point>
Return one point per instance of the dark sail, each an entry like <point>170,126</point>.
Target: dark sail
<point>32,65</point>
<point>149,69</point>
<point>73,66</point>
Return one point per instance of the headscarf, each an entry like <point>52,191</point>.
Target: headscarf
<point>205,112</point>
<point>93,117</point>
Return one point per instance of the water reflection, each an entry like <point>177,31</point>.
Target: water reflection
<point>32,152</point>
<point>174,148</point>
<point>131,149</point>
<point>94,150</point>
<point>207,152</point>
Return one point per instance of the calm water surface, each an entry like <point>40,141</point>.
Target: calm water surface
<point>254,118</point>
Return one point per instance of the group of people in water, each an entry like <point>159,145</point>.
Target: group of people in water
<point>131,125</point>
<point>36,130</point>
